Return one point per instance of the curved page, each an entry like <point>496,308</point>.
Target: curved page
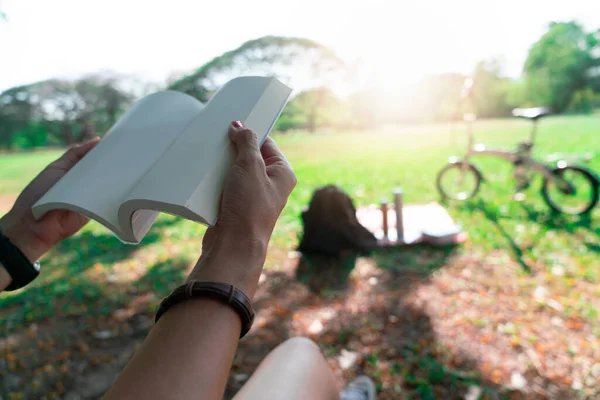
<point>101,181</point>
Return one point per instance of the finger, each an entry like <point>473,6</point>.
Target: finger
<point>270,150</point>
<point>272,155</point>
<point>278,167</point>
<point>283,176</point>
<point>246,145</point>
<point>76,152</point>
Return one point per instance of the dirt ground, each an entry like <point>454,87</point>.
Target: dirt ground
<point>457,331</point>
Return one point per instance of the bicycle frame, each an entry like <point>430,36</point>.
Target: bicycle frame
<point>518,156</point>
<point>512,157</point>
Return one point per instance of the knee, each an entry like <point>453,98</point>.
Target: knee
<point>300,344</point>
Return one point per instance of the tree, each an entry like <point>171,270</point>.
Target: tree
<point>310,109</point>
<point>296,61</point>
<point>491,91</point>
<point>61,111</point>
<point>75,110</point>
<point>564,61</point>
<point>18,109</point>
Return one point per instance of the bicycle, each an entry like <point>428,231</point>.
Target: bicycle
<point>567,189</point>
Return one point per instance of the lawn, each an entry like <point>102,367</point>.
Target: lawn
<point>510,314</point>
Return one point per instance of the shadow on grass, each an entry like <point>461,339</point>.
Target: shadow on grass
<point>573,225</point>
<point>583,228</point>
<point>372,315</point>
<point>371,312</point>
<point>85,330</point>
<point>318,272</point>
<point>371,309</point>
<point>65,289</point>
<point>83,251</point>
<point>493,216</point>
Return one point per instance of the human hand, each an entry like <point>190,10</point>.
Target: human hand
<point>35,237</point>
<point>256,190</point>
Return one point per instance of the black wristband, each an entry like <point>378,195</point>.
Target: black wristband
<point>18,266</point>
<point>223,292</point>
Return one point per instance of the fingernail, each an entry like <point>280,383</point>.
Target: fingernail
<point>237,124</point>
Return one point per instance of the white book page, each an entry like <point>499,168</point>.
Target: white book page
<point>99,183</point>
<point>187,180</point>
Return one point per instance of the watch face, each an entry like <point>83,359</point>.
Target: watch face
<point>36,265</point>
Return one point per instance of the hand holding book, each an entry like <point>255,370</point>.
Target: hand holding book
<point>256,190</point>
<point>169,153</point>
<point>34,237</point>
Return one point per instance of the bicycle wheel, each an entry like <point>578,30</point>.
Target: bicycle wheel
<point>458,182</point>
<point>573,191</point>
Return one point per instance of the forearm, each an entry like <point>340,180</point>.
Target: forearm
<point>189,351</point>
<point>187,355</point>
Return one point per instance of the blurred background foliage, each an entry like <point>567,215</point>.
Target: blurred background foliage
<point>562,71</point>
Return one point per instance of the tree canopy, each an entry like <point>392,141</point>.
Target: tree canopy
<point>296,61</point>
<point>565,61</point>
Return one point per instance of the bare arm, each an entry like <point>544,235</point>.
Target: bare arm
<point>186,356</point>
<point>189,352</point>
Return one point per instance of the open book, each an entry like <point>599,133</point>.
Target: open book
<point>169,153</point>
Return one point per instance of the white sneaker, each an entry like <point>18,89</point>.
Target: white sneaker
<point>361,388</point>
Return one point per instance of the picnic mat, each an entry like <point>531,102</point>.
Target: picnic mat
<point>423,223</point>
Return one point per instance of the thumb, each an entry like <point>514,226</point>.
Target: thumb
<point>246,144</point>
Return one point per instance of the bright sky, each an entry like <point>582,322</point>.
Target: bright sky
<point>397,38</point>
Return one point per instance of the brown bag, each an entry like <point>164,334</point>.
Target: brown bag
<point>330,225</point>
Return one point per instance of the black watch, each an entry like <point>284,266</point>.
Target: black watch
<point>20,269</point>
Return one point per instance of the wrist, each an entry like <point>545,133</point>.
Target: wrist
<point>234,260</point>
<point>17,231</point>
<point>5,278</point>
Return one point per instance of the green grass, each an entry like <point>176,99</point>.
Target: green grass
<point>90,275</point>
<point>368,165</point>
<point>17,169</point>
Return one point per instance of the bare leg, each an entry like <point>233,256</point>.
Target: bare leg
<point>295,369</point>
